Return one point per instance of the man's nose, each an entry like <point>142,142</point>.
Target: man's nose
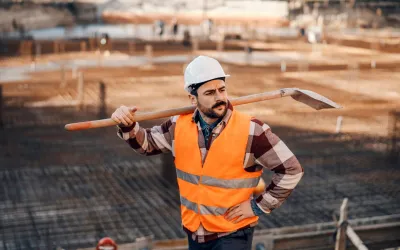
<point>219,95</point>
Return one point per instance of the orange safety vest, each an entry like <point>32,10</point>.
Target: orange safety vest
<point>208,191</point>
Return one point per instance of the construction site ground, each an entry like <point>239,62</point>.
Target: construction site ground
<point>72,188</point>
<point>343,74</point>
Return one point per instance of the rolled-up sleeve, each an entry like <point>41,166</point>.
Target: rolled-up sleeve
<point>149,141</point>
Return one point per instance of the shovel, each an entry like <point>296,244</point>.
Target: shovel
<point>307,97</point>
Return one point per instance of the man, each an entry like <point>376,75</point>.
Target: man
<point>219,157</point>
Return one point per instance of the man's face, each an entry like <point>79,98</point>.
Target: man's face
<point>212,99</point>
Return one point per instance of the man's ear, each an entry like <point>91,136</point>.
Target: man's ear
<point>193,99</point>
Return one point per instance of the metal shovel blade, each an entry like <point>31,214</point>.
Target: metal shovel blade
<point>314,100</point>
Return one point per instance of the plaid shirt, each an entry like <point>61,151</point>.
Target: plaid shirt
<point>264,150</point>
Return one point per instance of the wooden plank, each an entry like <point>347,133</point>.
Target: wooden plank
<point>341,233</point>
<point>355,239</point>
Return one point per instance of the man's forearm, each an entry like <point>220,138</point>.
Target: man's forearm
<point>147,141</point>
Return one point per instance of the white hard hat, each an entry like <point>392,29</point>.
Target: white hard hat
<point>202,69</point>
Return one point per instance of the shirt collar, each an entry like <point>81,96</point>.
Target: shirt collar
<point>205,125</point>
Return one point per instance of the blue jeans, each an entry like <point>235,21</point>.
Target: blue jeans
<point>239,240</point>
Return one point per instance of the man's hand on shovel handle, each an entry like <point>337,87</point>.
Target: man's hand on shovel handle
<point>124,116</point>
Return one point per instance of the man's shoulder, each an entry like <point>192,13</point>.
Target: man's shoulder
<point>185,117</point>
<point>169,124</point>
<point>259,126</point>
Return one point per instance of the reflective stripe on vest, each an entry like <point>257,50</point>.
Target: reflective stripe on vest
<point>216,182</point>
<point>189,205</point>
<point>192,178</point>
<point>207,210</point>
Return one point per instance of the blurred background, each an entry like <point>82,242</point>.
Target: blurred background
<point>70,61</point>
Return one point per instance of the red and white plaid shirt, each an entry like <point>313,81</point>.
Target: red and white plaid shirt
<point>264,150</point>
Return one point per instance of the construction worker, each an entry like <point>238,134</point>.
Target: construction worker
<point>219,157</point>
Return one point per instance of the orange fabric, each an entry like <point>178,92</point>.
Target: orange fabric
<point>224,161</point>
<point>191,218</point>
<point>188,189</point>
<point>222,195</point>
<point>219,224</point>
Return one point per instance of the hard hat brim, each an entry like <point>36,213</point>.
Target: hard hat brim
<point>201,83</point>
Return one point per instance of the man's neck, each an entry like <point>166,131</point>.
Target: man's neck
<point>208,120</point>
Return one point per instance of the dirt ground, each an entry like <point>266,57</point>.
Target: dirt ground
<point>49,172</point>
<point>367,95</point>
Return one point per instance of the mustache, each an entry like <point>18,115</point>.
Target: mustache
<point>219,104</point>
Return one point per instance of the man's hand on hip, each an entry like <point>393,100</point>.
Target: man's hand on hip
<point>239,212</point>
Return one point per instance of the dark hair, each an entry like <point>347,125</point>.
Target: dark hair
<point>195,87</point>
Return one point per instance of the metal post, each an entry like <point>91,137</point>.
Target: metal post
<point>339,124</point>
<point>91,44</point>
<point>195,45</point>
<point>373,64</point>
<point>247,52</point>
<point>21,48</point>
<point>149,55</point>
<point>63,80</point>
<point>62,47</point>
<point>56,48</point>
<point>83,46</point>
<point>80,89</point>
<point>102,102</point>
<point>342,227</point>
<point>1,107</point>
<point>30,48</point>
<point>38,48</point>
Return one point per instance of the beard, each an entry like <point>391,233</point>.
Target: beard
<point>210,113</point>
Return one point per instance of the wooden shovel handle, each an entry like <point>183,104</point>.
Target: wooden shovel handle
<point>180,111</point>
<point>138,117</point>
